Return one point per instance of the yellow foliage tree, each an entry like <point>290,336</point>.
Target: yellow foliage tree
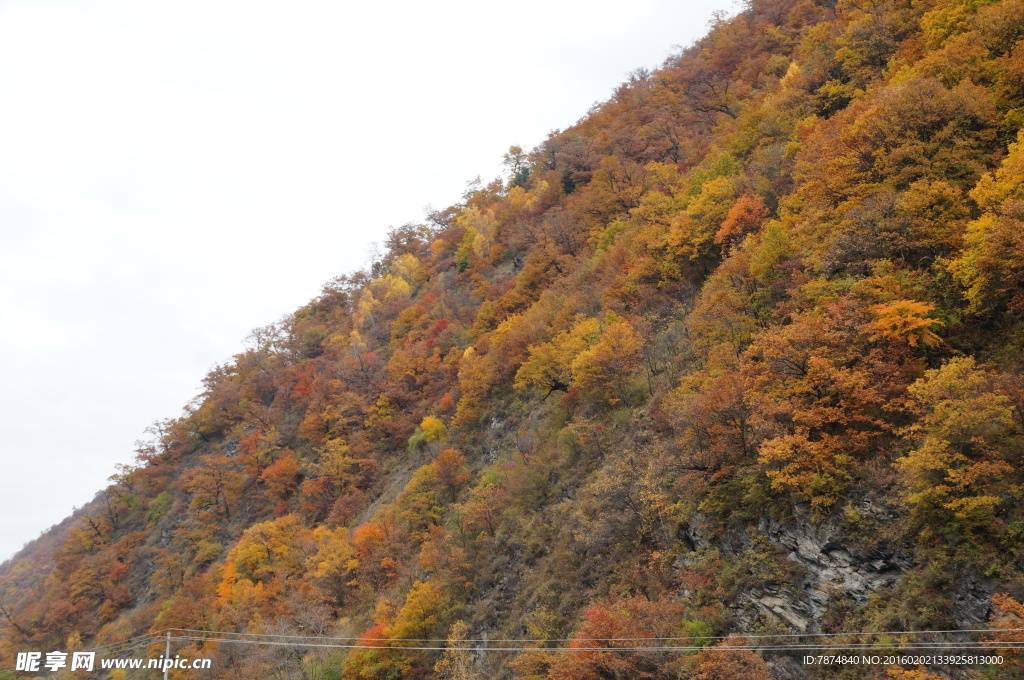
<point>959,467</point>
<point>991,267</point>
<point>457,662</point>
<point>905,321</point>
<point>432,430</point>
<point>427,610</point>
<point>269,549</point>
<point>597,355</point>
<point>549,366</point>
<point>332,565</point>
<point>606,366</point>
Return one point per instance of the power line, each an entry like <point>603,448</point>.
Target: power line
<point>625,639</point>
<point>128,641</point>
<point>129,645</point>
<point>669,648</point>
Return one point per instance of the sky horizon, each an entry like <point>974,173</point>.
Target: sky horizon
<point>173,177</point>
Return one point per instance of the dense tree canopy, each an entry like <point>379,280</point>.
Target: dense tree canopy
<point>767,297</point>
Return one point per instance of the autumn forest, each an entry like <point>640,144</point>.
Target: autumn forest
<point>740,353</point>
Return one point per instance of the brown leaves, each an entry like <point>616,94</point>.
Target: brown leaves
<point>818,405</point>
<point>744,217</point>
<point>625,624</point>
<point>724,662</point>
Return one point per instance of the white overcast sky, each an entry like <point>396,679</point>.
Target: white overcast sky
<point>173,174</point>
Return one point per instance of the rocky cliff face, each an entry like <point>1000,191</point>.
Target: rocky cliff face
<point>835,565</point>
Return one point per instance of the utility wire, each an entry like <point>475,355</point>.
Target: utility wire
<point>127,641</point>
<point>362,643</point>
<point>671,648</point>
<point>129,645</point>
<point>625,639</point>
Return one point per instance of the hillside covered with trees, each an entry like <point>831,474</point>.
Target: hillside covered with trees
<point>739,353</point>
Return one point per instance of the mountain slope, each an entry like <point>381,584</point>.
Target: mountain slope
<point>739,352</point>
